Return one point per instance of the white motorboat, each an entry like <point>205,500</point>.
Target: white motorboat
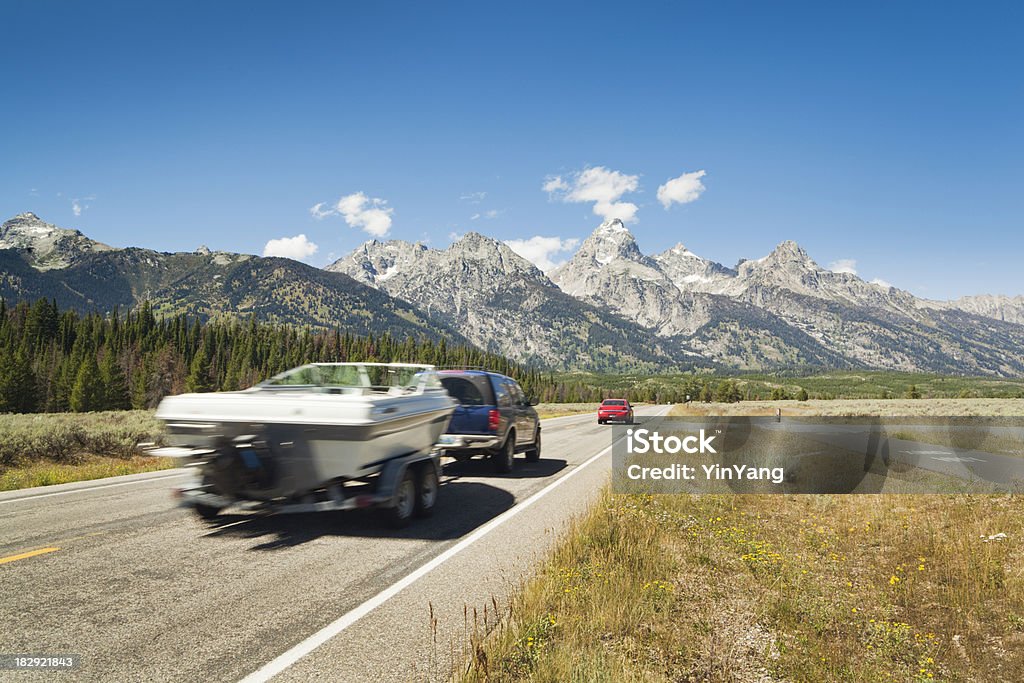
<point>307,429</point>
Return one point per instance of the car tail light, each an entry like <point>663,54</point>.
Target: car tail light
<point>493,418</point>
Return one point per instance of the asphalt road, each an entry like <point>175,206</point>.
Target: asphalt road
<point>1005,471</point>
<point>142,590</point>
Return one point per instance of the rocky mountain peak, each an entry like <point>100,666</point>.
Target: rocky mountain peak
<point>611,226</point>
<point>45,245</point>
<point>789,251</point>
<point>493,255</point>
<point>611,241</point>
<point>692,272</point>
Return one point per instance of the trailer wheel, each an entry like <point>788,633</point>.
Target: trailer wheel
<point>533,454</point>
<point>206,511</point>
<point>505,457</point>
<point>427,490</point>
<point>404,502</point>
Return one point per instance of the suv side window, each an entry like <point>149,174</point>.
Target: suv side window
<point>518,397</point>
<point>501,393</point>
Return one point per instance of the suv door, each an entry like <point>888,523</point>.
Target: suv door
<point>526,416</point>
<point>505,403</point>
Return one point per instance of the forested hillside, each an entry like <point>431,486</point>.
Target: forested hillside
<point>54,360</point>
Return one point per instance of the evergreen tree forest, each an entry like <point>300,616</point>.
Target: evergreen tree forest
<point>54,360</point>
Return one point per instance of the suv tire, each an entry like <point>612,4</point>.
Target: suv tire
<point>505,457</point>
<point>533,453</point>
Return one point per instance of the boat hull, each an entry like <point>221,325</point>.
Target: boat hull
<point>297,444</point>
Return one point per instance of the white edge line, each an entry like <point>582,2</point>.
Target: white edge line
<point>305,647</point>
<point>36,496</point>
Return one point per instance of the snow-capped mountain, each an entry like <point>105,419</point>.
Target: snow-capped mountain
<point>781,310</point>
<point>610,271</point>
<point>691,272</point>
<point>678,292</point>
<point>609,307</point>
<point>503,303</point>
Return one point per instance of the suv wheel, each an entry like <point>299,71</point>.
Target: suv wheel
<point>533,454</point>
<point>505,458</point>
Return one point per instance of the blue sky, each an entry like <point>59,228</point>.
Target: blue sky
<point>890,134</point>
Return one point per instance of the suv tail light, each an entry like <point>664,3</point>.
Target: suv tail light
<point>493,418</point>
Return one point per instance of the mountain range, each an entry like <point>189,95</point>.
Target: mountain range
<point>609,307</point>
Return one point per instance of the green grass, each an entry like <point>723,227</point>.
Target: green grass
<point>47,473</point>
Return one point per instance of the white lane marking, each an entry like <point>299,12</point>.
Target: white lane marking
<point>290,657</point>
<point>37,496</point>
<point>954,458</point>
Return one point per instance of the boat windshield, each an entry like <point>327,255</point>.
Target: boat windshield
<point>373,376</point>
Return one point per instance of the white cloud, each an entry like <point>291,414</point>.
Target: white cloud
<point>78,204</point>
<point>373,216</point>
<point>554,184</point>
<point>682,190</point>
<point>298,248</point>
<point>600,185</point>
<point>454,236</point>
<point>844,265</point>
<point>319,212</point>
<point>493,213</point>
<point>473,197</point>
<point>541,250</point>
<point>881,283</point>
<point>370,214</point>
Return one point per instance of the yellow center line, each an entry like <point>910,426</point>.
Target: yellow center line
<point>31,553</point>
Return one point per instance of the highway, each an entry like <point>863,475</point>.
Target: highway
<point>142,590</point>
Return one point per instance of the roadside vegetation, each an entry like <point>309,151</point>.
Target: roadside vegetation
<point>546,410</point>
<point>825,385</point>
<point>38,450</point>
<point>938,407</point>
<point>763,588</point>
<point>776,587</point>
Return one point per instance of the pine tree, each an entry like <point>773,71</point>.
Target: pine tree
<point>140,387</point>
<point>88,393</point>
<point>728,392</point>
<point>18,388</point>
<point>114,383</point>
<point>199,372</point>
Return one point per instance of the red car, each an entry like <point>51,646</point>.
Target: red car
<point>615,410</point>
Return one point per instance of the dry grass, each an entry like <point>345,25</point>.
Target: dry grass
<point>774,587</point>
<point>936,407</point>
<point>546,410</point>
<point>763,588</point>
